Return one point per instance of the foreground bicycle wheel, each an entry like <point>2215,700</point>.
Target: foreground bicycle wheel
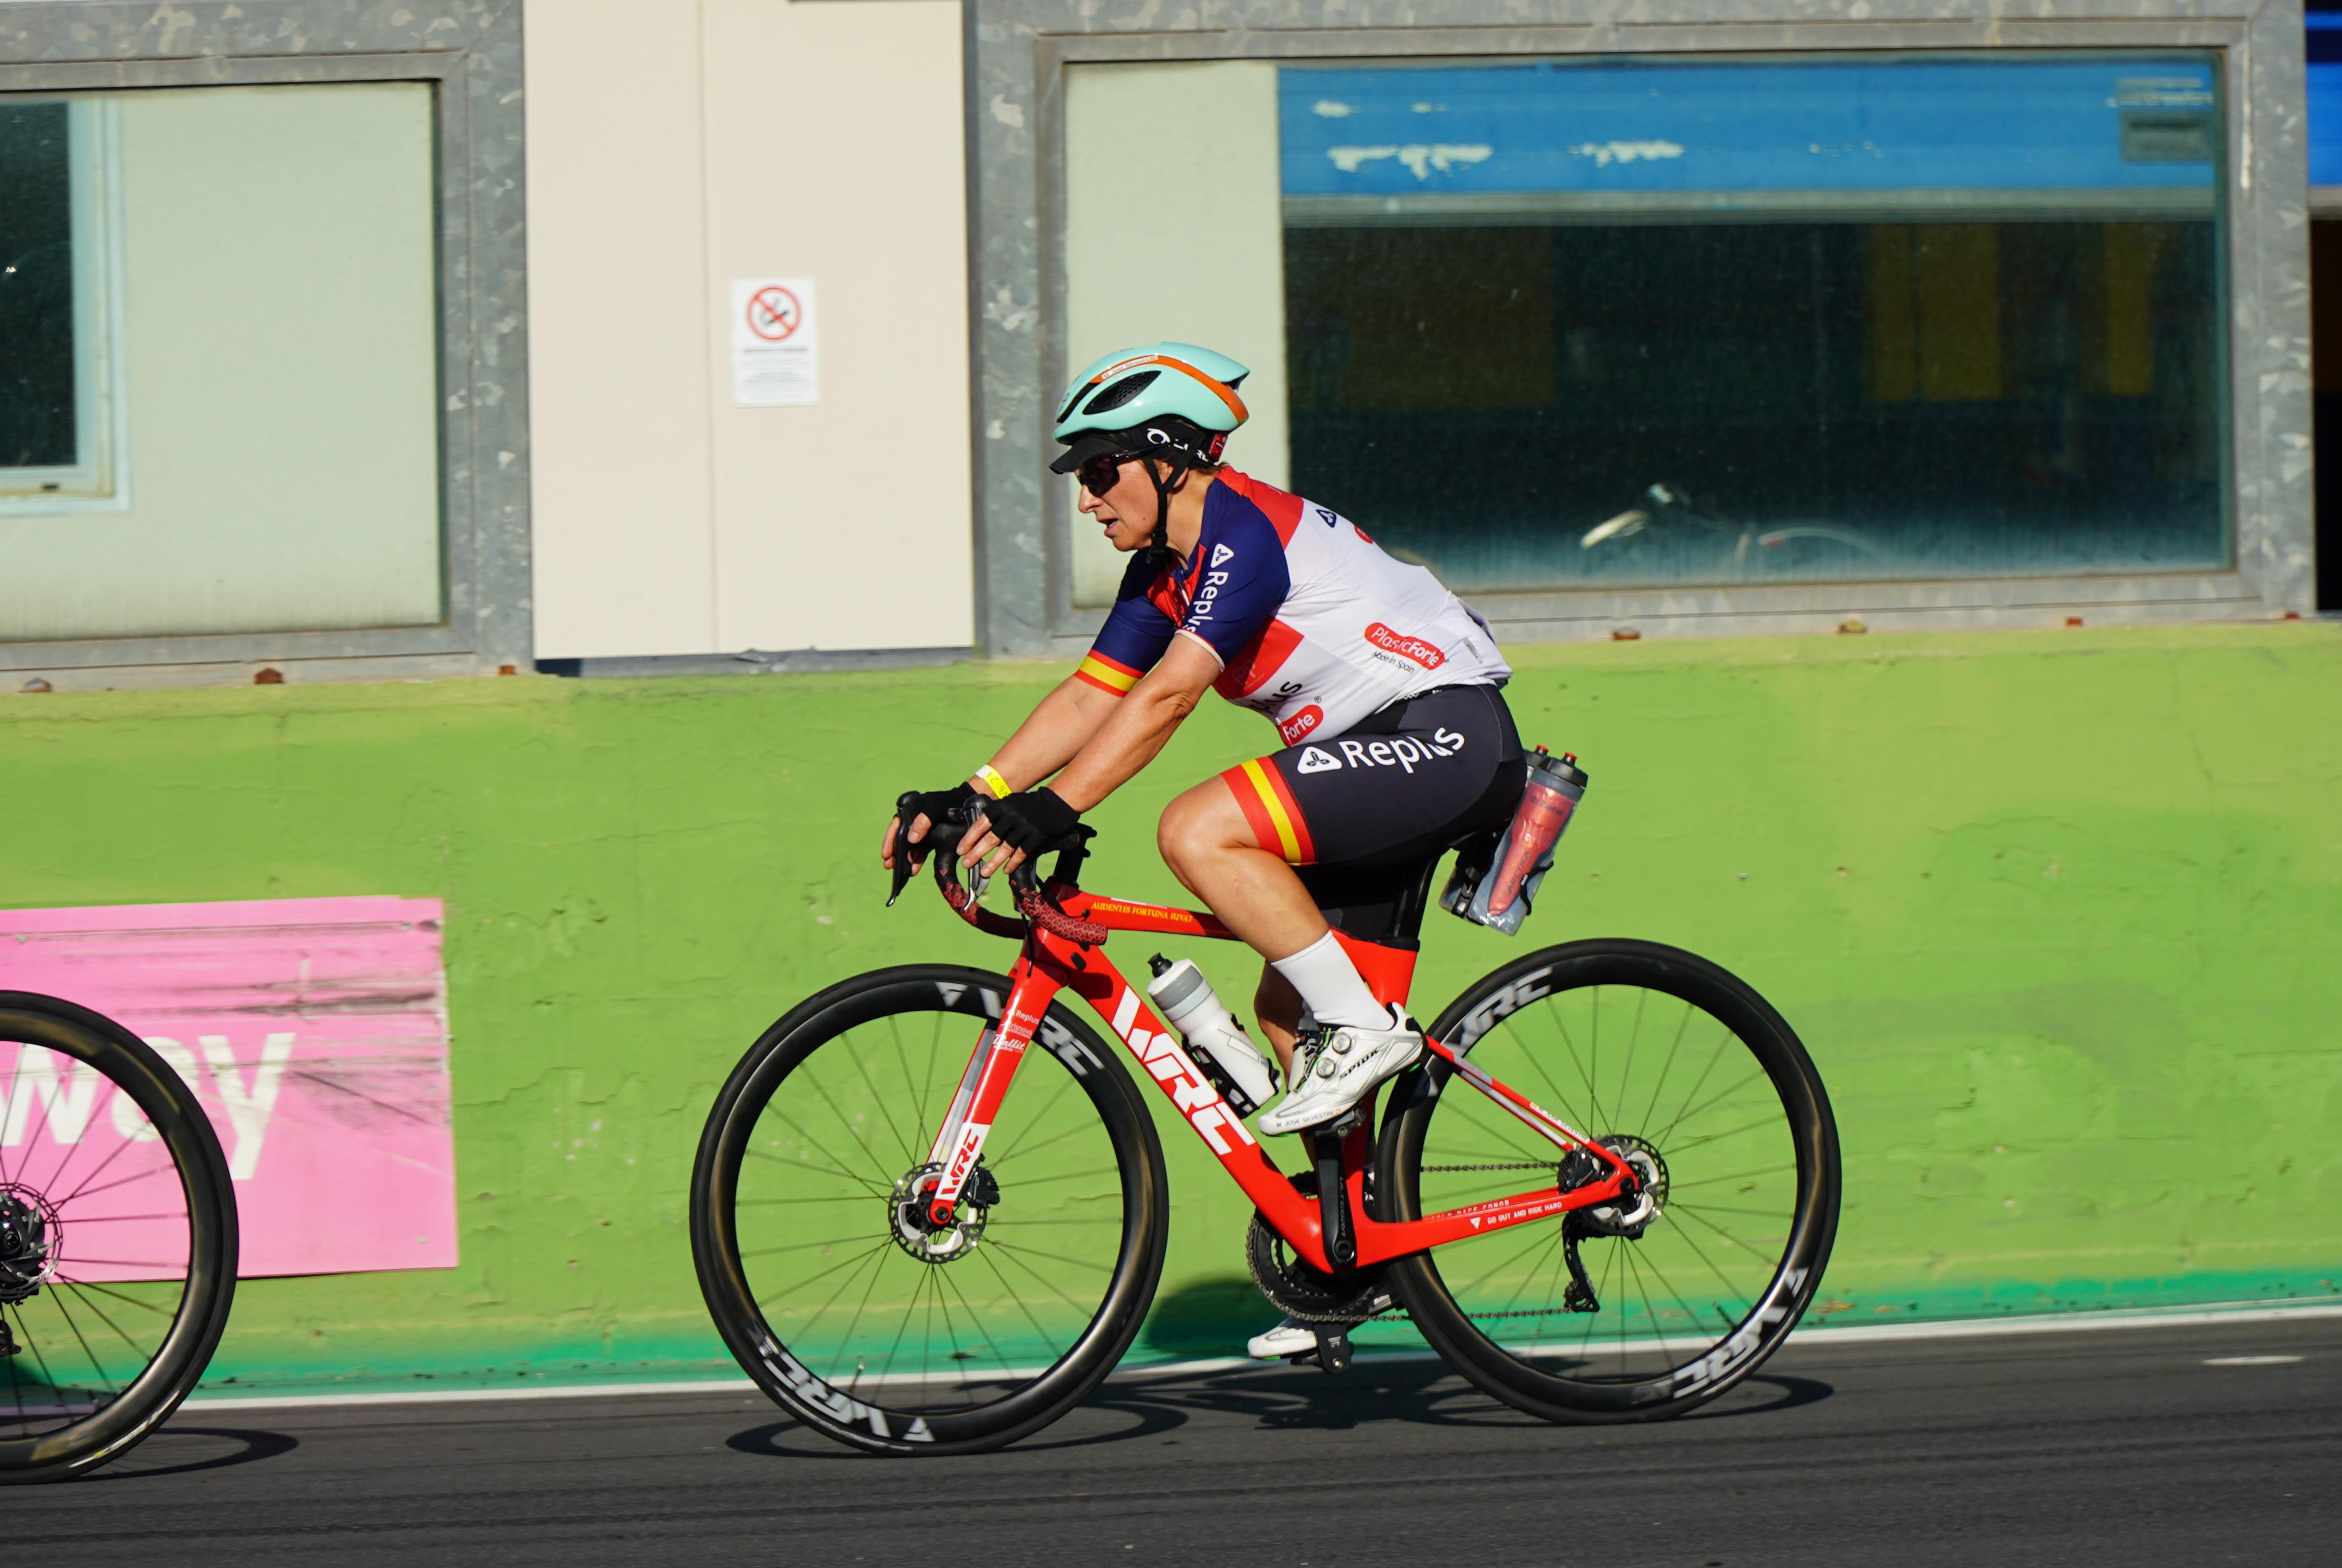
<point>117,1239</point>
<point>1688,1075</point>
<point>857,1319</point>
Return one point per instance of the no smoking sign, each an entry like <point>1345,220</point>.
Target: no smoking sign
<point>774,341</point>
<point>774,314</point>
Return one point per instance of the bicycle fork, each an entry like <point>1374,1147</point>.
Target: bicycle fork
<point>991,1068</point>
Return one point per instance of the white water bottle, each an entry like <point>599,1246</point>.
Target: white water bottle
<point>1235,1065</point>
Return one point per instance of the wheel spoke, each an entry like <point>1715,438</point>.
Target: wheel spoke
<point>910,1323</point>
<point>1706,1101</point>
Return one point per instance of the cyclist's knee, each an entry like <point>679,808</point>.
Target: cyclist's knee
<point>1191,828</point>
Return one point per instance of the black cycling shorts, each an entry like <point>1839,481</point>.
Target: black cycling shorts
<point>1365,814</point>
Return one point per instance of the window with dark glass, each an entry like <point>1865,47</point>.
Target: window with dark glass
<point>39,428</point>
<point>1556,325</point>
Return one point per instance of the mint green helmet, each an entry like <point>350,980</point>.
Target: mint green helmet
<point>1173,400</point>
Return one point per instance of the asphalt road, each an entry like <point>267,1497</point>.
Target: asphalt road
<point>2128,1447</point>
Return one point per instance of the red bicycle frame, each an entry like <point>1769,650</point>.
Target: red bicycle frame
<point>1063,933</point>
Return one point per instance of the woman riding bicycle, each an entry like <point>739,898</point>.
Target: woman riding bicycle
<point>1384,684</point>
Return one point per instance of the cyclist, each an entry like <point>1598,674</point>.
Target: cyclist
<point>1383,684</point>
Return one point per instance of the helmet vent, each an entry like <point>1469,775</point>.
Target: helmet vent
<point>1121,392</point>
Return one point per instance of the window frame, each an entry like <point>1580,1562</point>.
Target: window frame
<point>1019,49</point>
<point>469,52</point>
<point>99,481</point>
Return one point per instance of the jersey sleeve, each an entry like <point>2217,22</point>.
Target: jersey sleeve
<point>1244,583</point>
<point>1134,634</point>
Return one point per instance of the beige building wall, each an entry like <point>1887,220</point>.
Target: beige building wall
<point>729,139</point>
<point>279,356</point>
<point>1215,275</point>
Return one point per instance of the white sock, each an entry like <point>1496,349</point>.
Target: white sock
<point>1329,983</point>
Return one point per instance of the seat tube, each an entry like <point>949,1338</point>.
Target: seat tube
<point>990,1070</point>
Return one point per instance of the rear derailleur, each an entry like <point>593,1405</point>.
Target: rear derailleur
<point>1627,1216</point>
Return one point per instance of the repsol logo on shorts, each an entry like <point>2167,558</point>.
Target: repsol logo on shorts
<point>1402,754</point>
<point>1301,723</point>
<point>1427,654</point>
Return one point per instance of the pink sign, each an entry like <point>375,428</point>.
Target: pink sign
<point>314,1028</point>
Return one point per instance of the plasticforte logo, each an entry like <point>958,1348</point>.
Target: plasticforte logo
<point>1301,723</point>
<point>1427,654</point>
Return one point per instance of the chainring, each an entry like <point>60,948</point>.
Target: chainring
<point>1302,1293</point>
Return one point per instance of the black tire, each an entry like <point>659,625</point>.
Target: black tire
<point>143,1342</point>
<point>1725,1103</point>
<point>836,1134</point>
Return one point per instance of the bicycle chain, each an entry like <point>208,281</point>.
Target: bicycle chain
<point>1397,1313</point>
<point>1516,1165</point>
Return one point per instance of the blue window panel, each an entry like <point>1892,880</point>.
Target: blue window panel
<point>2325,97</point>
<point>1649,126</point>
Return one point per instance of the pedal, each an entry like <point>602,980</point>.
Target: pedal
<point>1333,1348</point>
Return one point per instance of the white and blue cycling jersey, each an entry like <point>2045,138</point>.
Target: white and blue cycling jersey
<point>1312,623</point>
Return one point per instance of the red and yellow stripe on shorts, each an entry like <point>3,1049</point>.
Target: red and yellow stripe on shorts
<point>1106,675</point>
<point>1269,806</point>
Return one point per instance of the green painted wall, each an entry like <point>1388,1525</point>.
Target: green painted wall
<point>2057,914</point>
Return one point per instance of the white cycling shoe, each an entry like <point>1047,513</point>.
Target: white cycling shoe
<point>1292,1336</point>
<point>1349,1061</point>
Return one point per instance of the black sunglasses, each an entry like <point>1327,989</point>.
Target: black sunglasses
<point>1101,474</point>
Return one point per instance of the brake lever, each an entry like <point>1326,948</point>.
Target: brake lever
<point>906,806</point>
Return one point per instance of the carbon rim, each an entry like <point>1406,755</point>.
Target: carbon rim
<point>830,1291</point>
<point>1691,1077</point>
<point>116,1233</point>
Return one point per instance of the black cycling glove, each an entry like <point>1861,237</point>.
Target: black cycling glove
<point>937,807</point>
<point>1033,820</point>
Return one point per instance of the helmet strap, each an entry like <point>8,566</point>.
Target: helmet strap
<point>1167,483</point>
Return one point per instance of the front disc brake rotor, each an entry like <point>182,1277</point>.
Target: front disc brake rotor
<point>916,1233</point>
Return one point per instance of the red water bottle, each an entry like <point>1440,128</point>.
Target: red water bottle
<point>1500,891</point>
<point>1553,791</point>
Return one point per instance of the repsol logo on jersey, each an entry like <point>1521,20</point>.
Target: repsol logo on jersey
<point>1201,608</point>
<point>1427,654</point>
<point>1402,754</point>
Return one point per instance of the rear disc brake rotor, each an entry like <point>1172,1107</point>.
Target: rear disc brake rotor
<point>29,1235</point>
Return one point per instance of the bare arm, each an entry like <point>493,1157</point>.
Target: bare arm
<point>1058,728</point>
<point>1140,723</point>
<point>1051,734</point>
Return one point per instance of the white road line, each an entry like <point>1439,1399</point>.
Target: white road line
<point>1812,1334</point>
<point>2250,1360</point>
<point>1808,1335</point>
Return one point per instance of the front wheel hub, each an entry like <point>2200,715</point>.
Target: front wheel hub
<point>911,1217</point>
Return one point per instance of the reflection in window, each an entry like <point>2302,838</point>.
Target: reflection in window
<point>1582,324</point>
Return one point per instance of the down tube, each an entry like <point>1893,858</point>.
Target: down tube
<point>1159,1051</point>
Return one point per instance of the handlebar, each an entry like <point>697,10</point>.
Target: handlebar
<point>1033,900</point>
<point>1042,910</point>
